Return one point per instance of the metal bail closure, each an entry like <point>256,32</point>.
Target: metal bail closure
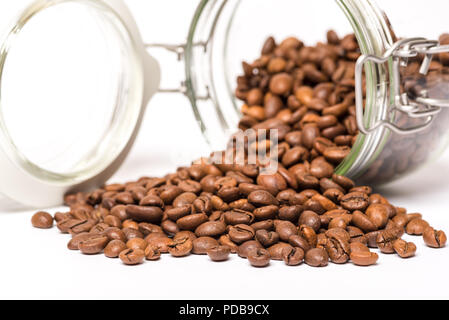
<point>420,107</point>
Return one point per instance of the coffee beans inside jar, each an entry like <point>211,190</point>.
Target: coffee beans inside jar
<point>302,212</point>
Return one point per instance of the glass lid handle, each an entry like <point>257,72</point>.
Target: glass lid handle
<point>422,106</point>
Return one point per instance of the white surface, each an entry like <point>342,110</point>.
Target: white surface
<point>36,264</point>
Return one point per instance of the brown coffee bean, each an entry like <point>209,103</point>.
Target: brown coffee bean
<point>309,234</point>
<point>94,244</point>
<point>202,244</point>
<point>210,229</point>
<point>378,214</point>
<point>434,238</point>
<point>241,233</point>
<point>404,249</point>
<point>285,229</point>
<point>219,253</point>
<point>75,241</point>
<point>361,220</point>
<point>192,221</point>
<point>281,84</point>
<point>355,201</point>
<point>132,256</point>
<point>181,247</point>
<point>416,226</point>
<point>267,238</point>
<point>316,257</point>
<point>114,248</point>
<point>259,258</point>
<point>144,214</point>
<point>293,256</point>
<point>248,246</point>
<point>238,216</point>
<point>42,220</point>
<point>159,241</point>
<point>262,198</point>
<point>385,241</point>
<point>364,258</point>
<point>136,243</point>
<point>152,253</point>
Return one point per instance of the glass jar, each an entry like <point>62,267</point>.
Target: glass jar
<point>73,132</point>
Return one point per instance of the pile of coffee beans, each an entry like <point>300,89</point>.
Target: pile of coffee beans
<point>304,212</point>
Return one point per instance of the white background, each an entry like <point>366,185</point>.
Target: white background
<point>36,264</point>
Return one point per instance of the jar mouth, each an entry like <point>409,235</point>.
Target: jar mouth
<point>82,128</point>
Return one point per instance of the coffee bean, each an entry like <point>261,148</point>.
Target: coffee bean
<point>385,241</point>
<point>152,253</point>
<point>94,244</point>
<point>262,198</point>
<point>277,249</point>
<point>285,229</point>
<point>293,256</point>
<point>114,248</point>
<point>434,238</point>
<point>364,258</point>
<point>144,214</point>
<point>299,242</point>
<point>310,219</point>
<point>248,246</point>
<point>281,84</point>
<point>75,241</point>
<point>267,238</point>
<point>132,256</point>
<point>219,253</point>
<point>210,229</point>
<point>238,216</point>
<point>136,243</point>
<point>42,220</point>
<point>241,233</point>
<point>192,222</point>
<point>181,247</point>
<point>202,244</point>
<point>416,226</point>
<point>316,257</point>
<point>259,258</point>
<point>404,249</point>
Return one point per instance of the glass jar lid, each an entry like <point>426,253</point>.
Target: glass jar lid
<point>74,82</point>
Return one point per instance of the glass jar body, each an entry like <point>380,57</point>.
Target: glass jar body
<point>225,33</point>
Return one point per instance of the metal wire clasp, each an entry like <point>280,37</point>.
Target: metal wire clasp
<point>419,107</point>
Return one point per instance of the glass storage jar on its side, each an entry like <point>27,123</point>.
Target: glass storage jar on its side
<point>403,115</point>
<point>83,135</point>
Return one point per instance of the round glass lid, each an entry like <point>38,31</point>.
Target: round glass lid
<point>68,97</point>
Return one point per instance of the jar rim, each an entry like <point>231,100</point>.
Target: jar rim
<point>36,186</point>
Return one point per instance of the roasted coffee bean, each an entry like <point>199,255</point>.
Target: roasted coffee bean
<point>378,214</point>
<point>181,247</point>
<point>267,238</point>
<point>285,229</point>
<point>290,213</point>
<point>94,244</point>
<point>434,238</point>
<point>238,216</point>
<point>309,234</point>
<point>262,198</point>
<point>184,234</point>
<point>75,241</point>
<point>259,257</point>
<point>120,212</point>
<point>361,220</point>
<point>364,258</point>
<point>248,246</point>
<point>316,257</point>
<point>404,249</point>
<point>192,222</point>
<point>219,253</point>
<point>293,256</point>
<point>147,228</point>
<point>152,253</point>
<point>277,249</point>
<point>264,213</point>
<point>202,244</point>
<point>241,233</point>
<point>210,229</point>
<point>177,213</point>
<point>136,243</point>
<point>416,226</point>
<point>355,201</point>
<point>159,241</point>
<point>42,220</point>
<point>144,214</point>
<point>385,241</point>
<point>300,242</point>
<point>132,256</point>
<point>114,248</point>
<point>224,240</point>
<point>310,219</point>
